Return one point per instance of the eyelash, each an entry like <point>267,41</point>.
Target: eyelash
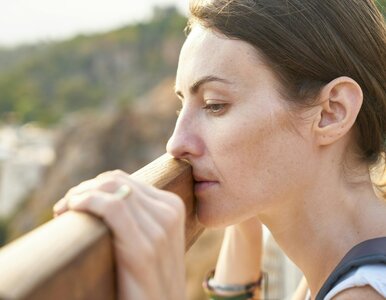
<point>214,108</point>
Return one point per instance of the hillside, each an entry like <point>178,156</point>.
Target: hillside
<point>42,83</point>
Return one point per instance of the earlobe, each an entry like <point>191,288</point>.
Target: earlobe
<point>340,104</point>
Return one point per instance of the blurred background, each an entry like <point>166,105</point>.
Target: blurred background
<point>85,87</point>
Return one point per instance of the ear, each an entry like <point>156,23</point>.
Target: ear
<point>340,102</point>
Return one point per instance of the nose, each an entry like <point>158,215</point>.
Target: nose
<point>185,142</point>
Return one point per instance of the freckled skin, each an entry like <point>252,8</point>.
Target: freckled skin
<point>249,147</point>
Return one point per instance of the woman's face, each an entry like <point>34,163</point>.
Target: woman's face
<point>248,154</point>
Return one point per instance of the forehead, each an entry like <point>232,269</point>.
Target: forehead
<point>207,52</point>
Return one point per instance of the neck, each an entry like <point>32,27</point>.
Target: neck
<point>317,231</point>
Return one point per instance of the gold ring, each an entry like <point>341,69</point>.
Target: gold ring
<point>123,191</point>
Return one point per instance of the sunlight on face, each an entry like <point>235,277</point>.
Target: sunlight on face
<point>235,130</point>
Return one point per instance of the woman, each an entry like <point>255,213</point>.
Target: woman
<point>283,113</point>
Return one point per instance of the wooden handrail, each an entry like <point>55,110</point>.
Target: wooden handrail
<point>71,257</point>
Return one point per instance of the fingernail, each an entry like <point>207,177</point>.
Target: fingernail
<point>59,207</point>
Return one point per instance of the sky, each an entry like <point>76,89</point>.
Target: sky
<point>30,21</point>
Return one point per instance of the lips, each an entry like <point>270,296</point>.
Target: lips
<point>202,184</point>
<point>201,178</point>
<point>198,178</point>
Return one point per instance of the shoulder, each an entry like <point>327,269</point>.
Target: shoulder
<point>363,292</point>
<point>366,282</point>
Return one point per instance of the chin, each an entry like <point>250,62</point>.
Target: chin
<point>211,217</point>
<point>217,217</point>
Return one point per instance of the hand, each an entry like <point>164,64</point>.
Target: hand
<point>240,256</point>
<point>148,230</point>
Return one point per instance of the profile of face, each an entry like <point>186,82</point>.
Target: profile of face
<point>247,151</point>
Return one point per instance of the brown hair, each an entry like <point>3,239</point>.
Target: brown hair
<point>308,44</point>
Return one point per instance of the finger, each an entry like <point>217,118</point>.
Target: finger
<point>94,202</point>
<point>148,227</point>
<point>130,224</point>
<point>167,208</point>
<point>150,223</point>
<point>60,207</point>
<point>114,173</point>
<point>148,189</point>
<point>155,218</point>
<point>111,180</point>
<point>78,194</point>
<point>154,196</point>
<point>106,184</point>
<point>103,182</point>
<point>152,212</point>
<point>165,213</point>
<point>133,248</point>
<point>163,233</point>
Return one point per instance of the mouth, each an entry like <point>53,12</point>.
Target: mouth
<point>202,184</point>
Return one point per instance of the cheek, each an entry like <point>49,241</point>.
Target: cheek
<point>249,144</point>
<point>253,156</point>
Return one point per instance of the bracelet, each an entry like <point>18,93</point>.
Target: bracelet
<point>241,297</point>
<point>232,291</point>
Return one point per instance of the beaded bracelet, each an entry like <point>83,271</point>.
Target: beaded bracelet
<point>232,291</point>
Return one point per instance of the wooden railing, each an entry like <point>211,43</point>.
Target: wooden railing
<point>71,257</point>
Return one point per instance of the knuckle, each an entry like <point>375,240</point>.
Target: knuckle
<point>72,190</point>
<point>111,178</point>
<point>111,173</point>
<point>109,183</point>
<point>103,175</point>
<point>118,173</point>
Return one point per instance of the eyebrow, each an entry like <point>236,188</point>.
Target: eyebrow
<point>196,86</point>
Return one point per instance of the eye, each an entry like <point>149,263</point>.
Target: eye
<point>214,108</point>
